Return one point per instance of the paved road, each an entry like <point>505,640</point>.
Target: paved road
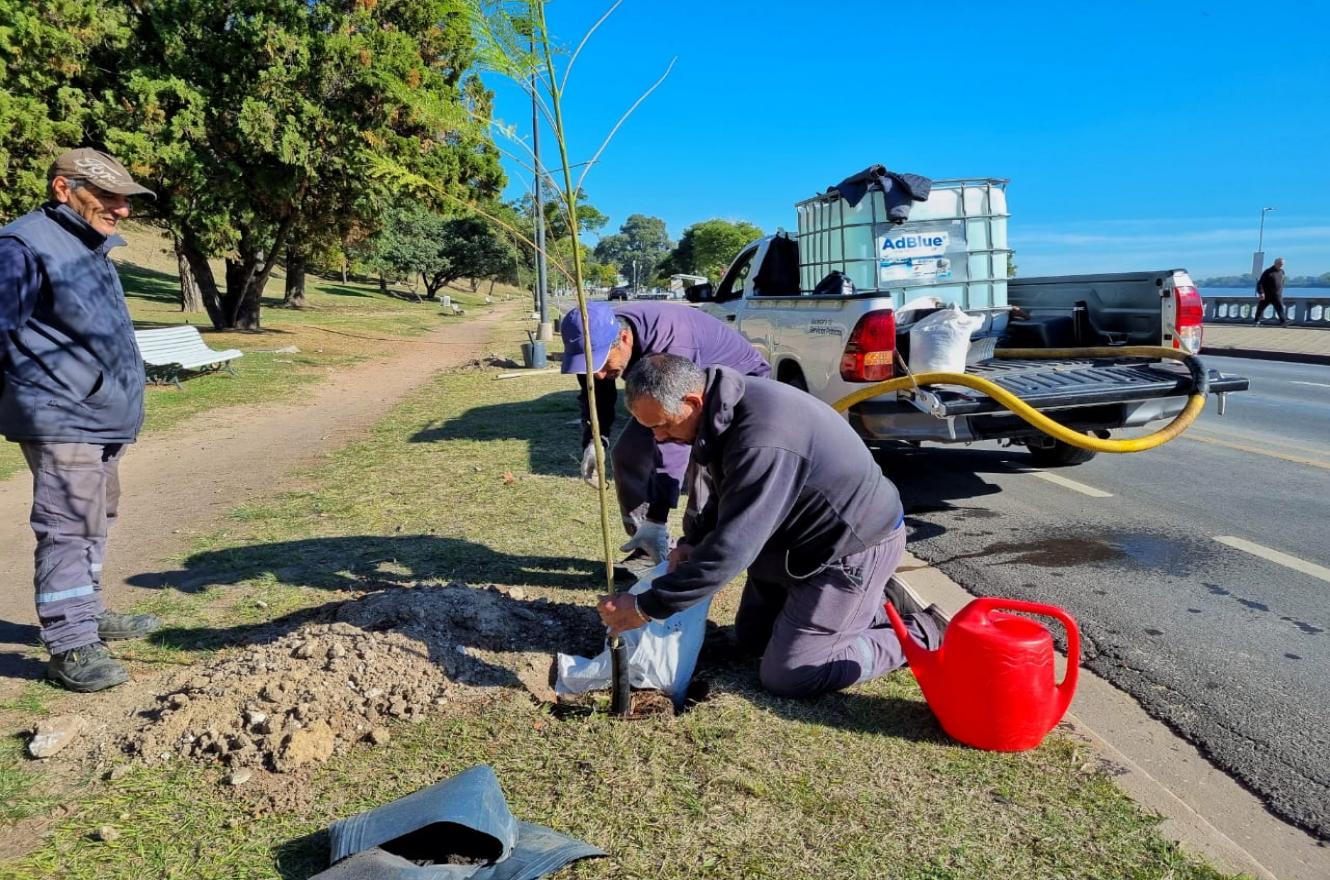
<point>1199,572</point>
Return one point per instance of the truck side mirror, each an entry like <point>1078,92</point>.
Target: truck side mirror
<point>699,292</point>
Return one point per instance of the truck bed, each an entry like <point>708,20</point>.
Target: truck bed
<point>1071,383</point>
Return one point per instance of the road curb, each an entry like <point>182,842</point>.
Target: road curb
<point>1204,810</point>
<point>1296,357</point>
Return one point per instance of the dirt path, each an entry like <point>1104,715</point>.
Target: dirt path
<point>185,481</point>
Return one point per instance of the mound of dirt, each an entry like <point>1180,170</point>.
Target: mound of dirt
<point>289,701</point>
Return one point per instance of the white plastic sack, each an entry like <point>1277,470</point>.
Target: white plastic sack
<point>662,655</point>
<point>903,314</point>
<point>940,341</point>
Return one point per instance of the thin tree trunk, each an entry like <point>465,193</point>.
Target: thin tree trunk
<point>295,279</point>
<point>203,277</point>
<point>191,299</point>
<point>383,283</point>
<point>344,262</point>
<point>491,293</point>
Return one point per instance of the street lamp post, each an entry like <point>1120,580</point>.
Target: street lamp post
<point>1258,258</point>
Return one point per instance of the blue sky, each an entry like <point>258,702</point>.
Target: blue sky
<point>1135,135</point>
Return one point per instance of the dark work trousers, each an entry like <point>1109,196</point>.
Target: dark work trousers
<point>828,631</point>
<point>1276,300</point>
<point>75,498</point>
<point>637,459</point>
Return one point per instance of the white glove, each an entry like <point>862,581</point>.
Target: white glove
<point>652,538</point>
<point>589,465</point>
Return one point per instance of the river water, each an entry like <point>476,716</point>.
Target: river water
<point>1289,292</point>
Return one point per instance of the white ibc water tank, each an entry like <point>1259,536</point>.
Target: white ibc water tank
<point>955,243</point>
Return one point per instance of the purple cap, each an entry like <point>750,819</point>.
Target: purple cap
<point>604,333</point>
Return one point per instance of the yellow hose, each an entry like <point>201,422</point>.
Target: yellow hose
<point>1195,402</point>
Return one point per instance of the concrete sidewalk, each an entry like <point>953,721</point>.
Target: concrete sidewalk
<point>1269,341</point>
<point>1203,809</point>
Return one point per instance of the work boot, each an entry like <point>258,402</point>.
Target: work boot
<point>86,669</point>
<point>903,597</point>
<point>113,627</point>
<point>907,602</point>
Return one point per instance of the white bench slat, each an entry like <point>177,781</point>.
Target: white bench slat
<point>181,346</point>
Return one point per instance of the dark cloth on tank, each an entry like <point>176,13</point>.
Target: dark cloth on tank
<point>898,190</point>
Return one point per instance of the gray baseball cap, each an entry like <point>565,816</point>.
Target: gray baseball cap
<point>100,170</point>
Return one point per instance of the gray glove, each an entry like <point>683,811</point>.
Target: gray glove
<point>652,538</point>
<point>589,465</point>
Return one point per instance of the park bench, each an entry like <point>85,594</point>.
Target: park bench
<point>171,352</point>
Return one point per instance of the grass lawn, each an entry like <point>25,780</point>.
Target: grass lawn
<point>343,323</point>
<point>473,479</point>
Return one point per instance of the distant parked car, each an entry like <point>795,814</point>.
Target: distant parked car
<point>619,293</point>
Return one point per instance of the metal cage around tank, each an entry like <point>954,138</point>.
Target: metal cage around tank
<point>970,268</point>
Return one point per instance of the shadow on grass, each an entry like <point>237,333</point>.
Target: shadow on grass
<point>14,664</point>
<point>861,713</point>
<point>302,857</point>
<point>372,562</point>
<point>851,711</point>
<point>459,624</point>
<point>542,422</point>
<point>149,283</point>
<point>345,290</point>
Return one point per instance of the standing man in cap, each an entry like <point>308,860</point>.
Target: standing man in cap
<point>71,395</point>
<point>647,474</point>
<point>784,488</point>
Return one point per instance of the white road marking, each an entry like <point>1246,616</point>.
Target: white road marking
<point>1298,459</point>
<point>1317,384</point>
<point>1293,562</point>
<point>1072,485</point>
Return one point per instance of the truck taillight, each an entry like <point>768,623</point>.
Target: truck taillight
<point>872,346</point>
<point>1189,318</point>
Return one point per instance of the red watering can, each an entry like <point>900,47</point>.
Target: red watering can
<point>991,683</point>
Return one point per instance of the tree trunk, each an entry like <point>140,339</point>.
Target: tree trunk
<point>383,283</point>
<point>191,299</point>
<point>344,262</point>
<point>201,271</point>
<point>475,284</point>
<point>295,278</point>
<point>491,293</point>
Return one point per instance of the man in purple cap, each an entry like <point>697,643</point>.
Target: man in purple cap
<point>647,474</point>
<point>71,395</point>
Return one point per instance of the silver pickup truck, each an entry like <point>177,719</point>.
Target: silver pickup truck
<point>834,344</point>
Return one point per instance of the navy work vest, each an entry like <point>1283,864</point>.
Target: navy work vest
<point>72,372</point>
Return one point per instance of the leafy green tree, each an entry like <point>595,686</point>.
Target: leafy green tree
<point>707,248</point>
<point>416,241</point>
<point>640,245</point>
<point>600,274</point>
<point>259,122</point>
<point>47,80</point>
<point>469,249</point>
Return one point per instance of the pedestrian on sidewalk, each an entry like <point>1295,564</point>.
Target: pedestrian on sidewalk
<point>647,474</point>
<point>782,487</point>
<point>71,395</point>
<point>1270,291</point>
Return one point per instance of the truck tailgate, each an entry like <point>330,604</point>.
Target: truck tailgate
<point>1067,383</point>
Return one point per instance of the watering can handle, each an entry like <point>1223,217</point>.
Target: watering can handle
<point>1068,686</point>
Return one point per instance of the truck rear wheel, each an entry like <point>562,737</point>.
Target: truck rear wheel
<point>794,378</point>
<point>1059,454</point>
